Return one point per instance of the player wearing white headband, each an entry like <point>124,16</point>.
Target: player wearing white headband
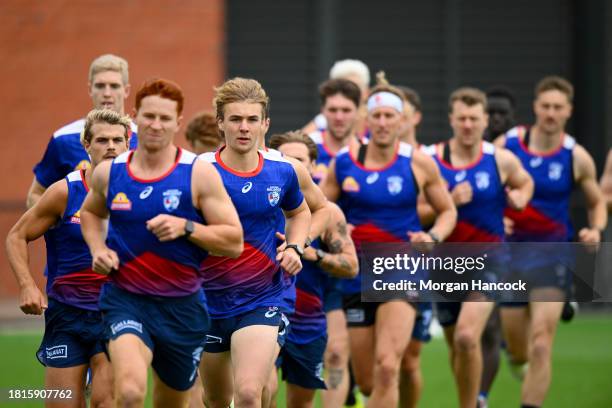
<point>376,185</point>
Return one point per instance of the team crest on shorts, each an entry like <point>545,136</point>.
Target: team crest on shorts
<point>395,184</point>
<point>172,199</point>
<point>121,203</point>
<point>350,185</point>
<point>273,195</point>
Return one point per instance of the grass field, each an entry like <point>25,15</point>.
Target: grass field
<point>582,369</point>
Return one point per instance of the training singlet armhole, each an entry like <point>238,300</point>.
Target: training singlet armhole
<point>361,154</point>
<point>446,153</point>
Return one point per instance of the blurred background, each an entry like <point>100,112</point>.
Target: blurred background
<point>289,46</point>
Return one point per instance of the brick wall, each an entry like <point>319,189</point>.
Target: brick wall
<point>46,49</point>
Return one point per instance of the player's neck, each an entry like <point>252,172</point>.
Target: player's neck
<point>243,162</point>
<point>334,144</point>
<point>541,141</point>
<point>380,156</point>
<point>463,155</point>
<point>153,163</point>
<point>410,138</point>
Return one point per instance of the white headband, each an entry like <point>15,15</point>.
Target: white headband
<point>380,99</point>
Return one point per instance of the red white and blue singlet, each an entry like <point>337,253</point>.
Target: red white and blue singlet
<point>546,218</point>
<point>324,155</point>
<point>70,278</point>
<point>308,321</point>
<point>380,203</point>
<point>65,153</point>
<point>253,280</point>
<point>480,220</point>
<point>148,266</point>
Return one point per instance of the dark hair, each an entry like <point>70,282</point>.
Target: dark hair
<point>163,88</point>
<point>346,88</point>
<point>295,136</point>
<point>412,97</point>
<point>501,91</point>
<point>555,83</point>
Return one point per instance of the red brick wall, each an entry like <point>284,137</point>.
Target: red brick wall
<point>46,48</point>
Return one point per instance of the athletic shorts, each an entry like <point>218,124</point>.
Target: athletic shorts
<point>333,295</point>
<point>173,328</point>
<point>219,339</point>
<point>422,323</point>
<point>72,336</point>
<point>302,364</point>
<point>362,314</point>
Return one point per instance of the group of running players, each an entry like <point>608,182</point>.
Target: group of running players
<point>239,259</point>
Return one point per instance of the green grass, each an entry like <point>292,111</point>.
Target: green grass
<point>582,369</point>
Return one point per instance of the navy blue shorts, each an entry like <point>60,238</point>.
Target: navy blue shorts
<point>333,295</point>
<point>302,364</point>
<point>72,336</point>
<point>422,323</point>
<point>448,313</point>
<point>363,314</point>
<point>219,338</point>
<point>173,328</point>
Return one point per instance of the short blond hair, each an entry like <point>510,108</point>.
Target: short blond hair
<point>109,62</point>
<point>240,90</point>
<point>104,116</point>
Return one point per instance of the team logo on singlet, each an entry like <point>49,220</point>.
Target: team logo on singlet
<point>482,180</point>
<point>247,187</point>
<point>459,177</point>
<point>350,185</point>
<point>121,203</point>
<point>372,178</point>
<point>535,162</point>
<point>76,217</point>
<point>395,184</point>
<point>273,195</point>
<point>146,192</point>
<point>554,170</point>
<point>320,171</point>
<point>83,165</point>
<point>172,199</point>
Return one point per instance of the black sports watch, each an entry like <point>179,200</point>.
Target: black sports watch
<point>320,255</point>
<point>296,248</point>
<point>189,228</point>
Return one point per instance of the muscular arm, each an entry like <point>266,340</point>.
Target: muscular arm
<point>94,216</point>
<point>222,233</point>
<point>33,224</point>
<point>314,198</point>
<point>515,177</point>
<point>606,181</point>
<point>341,260</point>
<point>34,193</point>
<point>585,173</point>
<point>435,192</point>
